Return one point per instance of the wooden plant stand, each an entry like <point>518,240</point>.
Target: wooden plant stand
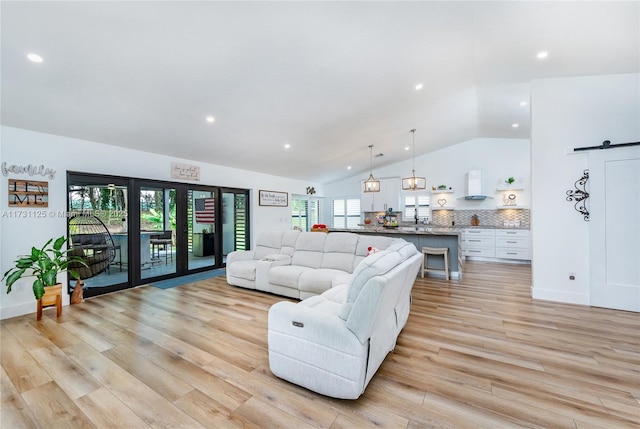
<point>52,296</point>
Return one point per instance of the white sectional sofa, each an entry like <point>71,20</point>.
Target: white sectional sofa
<point>301,264</point>
<point>335,342</point>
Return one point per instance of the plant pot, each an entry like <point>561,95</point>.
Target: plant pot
<point>52,296</point>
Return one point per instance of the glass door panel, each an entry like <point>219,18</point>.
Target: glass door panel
<point>235,221</point>
<point>201,221</point>
<point>157,231</point>
<point>98,233</point>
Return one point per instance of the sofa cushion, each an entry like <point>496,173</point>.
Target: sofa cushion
<point>289,239</point>
<point>309,249</point>
<point>337,294</point>
<point>339,251</point>
<point>376,241</point>
<point>374,265</point>
<point>268,243</point>
<point>287,275</point>
<point>341,280</point>
<point>317,280</point>
<point>322,304</point>
<point>244,269</point>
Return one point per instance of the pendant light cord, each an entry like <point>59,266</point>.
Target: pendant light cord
<point>413,132</point>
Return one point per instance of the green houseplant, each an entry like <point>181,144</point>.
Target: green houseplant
<point>44,264</point>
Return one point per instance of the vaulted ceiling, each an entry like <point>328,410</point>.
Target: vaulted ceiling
<point>326,78</point>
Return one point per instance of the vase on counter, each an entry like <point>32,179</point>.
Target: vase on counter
<point>475,221</point>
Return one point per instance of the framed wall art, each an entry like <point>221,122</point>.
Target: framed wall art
<point>28,193</point>
<point>273,198</point>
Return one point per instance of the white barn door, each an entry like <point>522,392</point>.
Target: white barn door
<point>614,228</point>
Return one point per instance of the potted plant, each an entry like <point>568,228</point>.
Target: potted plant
<point>44,264</point>
<point>510,181</point>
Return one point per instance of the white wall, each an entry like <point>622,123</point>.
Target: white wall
<point>19,232</point>
<point>568,113</point>
<point>496,158</point>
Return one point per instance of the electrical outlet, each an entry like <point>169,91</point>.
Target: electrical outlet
<point>572,275</point>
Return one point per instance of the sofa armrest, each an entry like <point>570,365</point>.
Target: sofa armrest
<point>278,259</point>
<point>314,349</point>
<point>321,328</point>
<point>236,255</point>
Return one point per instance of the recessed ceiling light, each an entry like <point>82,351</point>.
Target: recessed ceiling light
<point>515,125</point>
<point>418,87</point>
<point>210,119</point>
<point>287,146</point>
<point>523,103</point>
<point>349,168</point>
<point>542,55</point>
<point>34,57</point>
<point>407,148</point>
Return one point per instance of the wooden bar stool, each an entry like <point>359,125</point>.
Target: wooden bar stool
<point>444,251</point>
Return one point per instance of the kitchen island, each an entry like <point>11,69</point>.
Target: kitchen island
<point>423,236</point>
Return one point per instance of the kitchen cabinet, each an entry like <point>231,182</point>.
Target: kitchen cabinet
<point>388,197</point>
<point>496,243</point>
<point>512,244</point>
<point>479,242</point>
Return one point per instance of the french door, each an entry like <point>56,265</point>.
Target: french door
<point>98,210</point>
<point>158,248</point>
<point>234,221</point>
<point>178,226</point>
<point>134,231</point>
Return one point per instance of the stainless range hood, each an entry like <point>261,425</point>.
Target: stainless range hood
<point>474,186</point>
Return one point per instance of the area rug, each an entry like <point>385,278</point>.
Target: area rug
<point>191,278</point>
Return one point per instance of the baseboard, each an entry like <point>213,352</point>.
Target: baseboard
<point>500,260</point>
<point>452,274</point>
<point>28,308</point>
<point>560,296</point>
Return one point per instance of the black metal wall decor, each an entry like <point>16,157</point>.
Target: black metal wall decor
<point>580,195</point>
<point>311,190</point>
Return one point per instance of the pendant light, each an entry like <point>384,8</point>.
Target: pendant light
<point>371,184</point>
<point>413,183</point>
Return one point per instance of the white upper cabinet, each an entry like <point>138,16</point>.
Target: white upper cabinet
<point>388,197</point>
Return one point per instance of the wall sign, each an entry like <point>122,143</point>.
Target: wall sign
<point>273,198</point>
<point>31,170</point>
<point>28,193</point>
<point>185,171</point>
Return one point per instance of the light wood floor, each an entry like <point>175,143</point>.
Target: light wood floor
<point>474,354</point>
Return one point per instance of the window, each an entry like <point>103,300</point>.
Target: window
<point>419,202</point>
<point>346,213</point>
<point>304,212</point>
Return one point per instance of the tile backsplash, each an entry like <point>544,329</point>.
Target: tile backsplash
<point>486,217</point>
<point>463,217</point>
